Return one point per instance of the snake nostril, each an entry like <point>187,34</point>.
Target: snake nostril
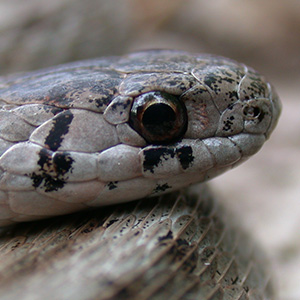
<point>251,112</point>
<point>159,117</point>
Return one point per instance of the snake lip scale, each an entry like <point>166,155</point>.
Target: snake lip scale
<point>82,135</point>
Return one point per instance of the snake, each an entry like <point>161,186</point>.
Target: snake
<point>107,132</point>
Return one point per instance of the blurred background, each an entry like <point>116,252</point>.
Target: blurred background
<point>264,193</point>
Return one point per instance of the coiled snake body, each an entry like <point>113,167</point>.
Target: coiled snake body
<point>112,130</point>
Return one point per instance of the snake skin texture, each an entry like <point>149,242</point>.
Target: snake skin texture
<point>69,139</point>
<point>105,132</point>
<point>177,246</point>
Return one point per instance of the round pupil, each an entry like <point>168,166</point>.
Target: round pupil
<point>159,118</point>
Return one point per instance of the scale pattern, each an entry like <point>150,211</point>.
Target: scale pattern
<point>176,246</point>
<point>66,144</point>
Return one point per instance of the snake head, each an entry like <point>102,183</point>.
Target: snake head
<point>168,96</point>
<point>116,129</point>
<point>197,115</point>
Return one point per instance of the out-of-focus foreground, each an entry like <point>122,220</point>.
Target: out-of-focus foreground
<point>264,193</point>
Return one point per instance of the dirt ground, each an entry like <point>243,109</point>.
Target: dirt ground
<point>264,193</point>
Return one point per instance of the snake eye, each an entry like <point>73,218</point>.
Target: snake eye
<point>160,118</point>
<point>251,112</point>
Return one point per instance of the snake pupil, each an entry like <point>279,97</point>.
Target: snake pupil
<point>159,118</point>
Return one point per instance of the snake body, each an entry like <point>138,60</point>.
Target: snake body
<point>82,135</point>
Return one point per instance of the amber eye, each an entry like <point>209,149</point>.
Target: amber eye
<point>251,112</point>
<point>159,117</point>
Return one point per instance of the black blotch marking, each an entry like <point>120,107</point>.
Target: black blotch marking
<point>259,87</point>
<point>168,236</point>
<point>161,188</point>
<point>185,155</point>
<point>211,80</point>
<point>107,89</point>
<point>62,163</point>
<point>48,182</point>
<point>230,80</point>
<point>214,81</point>
<point>154,156</point>
<point>228,123</point>
<point>36,180</point>
<point>233,94</point>
<point>123,104</point>
<point>50,176</point>
<point>111,222</point>
<point>60,127</point>
<point>45,161</point>
<point>112,185</point>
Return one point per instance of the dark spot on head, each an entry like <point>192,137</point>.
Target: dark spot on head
<point>45,161</point>
<point>233,94</point>
<point>185,155</point>
<point>112,185</point>
<point>227,125</point>
<point>47,182</point>
<point>36,180</point>
<point>60,127</point>
<point>154,156</point>
<point>210,80</point>
<point>62,162</point>
<point>50,175</point>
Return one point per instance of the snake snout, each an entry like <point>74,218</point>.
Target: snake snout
<point>276,109</point>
